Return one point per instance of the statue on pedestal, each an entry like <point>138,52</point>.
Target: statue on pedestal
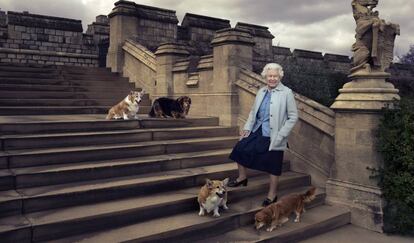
<point>374,45</point>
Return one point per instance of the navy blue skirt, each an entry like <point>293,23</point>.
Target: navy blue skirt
<point>253,153</point>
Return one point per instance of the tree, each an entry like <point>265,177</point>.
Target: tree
<point>408,58</point>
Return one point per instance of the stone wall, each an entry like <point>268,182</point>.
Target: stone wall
<point>38,39</point>
<point>152,26</point>
<point>198,31</point>
<point>99,29</point>
<point>262,50</point>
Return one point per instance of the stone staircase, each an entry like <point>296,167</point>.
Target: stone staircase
<point>41,90</point>
<point>80,178</point>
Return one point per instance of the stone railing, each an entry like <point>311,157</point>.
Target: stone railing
<point>140,65</point>
<point>311,142</point>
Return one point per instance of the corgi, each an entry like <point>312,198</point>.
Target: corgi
<point>127,108</point>
<point>212,196</point>
<point>278,213</point>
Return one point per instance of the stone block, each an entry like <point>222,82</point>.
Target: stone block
<point>14,34</point>
<point>50,31</point>
<point>31,30</point>
<point>20,28</point>
<point>68,33</point>
<point>53,38</point>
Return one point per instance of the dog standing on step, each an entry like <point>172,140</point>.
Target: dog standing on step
<point>278,213</point>
<point>212,196</point>
<point>127,108</point>
<point>164,107</point>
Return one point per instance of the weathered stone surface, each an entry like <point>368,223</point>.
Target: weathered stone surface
<point>44,37</point>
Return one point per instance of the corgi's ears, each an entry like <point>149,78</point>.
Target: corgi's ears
<point>142,91</point>
<point>225,181</point>
<point>209,183</point>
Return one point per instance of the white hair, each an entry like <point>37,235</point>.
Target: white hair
<point>272,66</point>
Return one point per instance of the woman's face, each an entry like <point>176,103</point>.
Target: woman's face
<point>272,78</point>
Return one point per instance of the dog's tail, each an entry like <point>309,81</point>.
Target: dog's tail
<point>110,115</point>
<point>309,195</point>
<point>152,112</point>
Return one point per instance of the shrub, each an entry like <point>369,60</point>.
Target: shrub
<point>396,177</point>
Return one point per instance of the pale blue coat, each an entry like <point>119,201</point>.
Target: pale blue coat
<point>283,115</point>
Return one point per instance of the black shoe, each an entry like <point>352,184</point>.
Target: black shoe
<point>235,183</point>
<point>267,202</point>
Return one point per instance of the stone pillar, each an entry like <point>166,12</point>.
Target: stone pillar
<point>123,22</point>
<point>358,111</point>
<point>166,55</point>
<point>232,50</point>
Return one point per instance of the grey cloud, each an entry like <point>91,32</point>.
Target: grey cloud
<point>306,24</point>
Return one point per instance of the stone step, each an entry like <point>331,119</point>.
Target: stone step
<point>6,179</point>
<point>63,94</point>
<point>42,75</point>
<point>90,123</point>
<point>42,176</point>
<point>84,69</point>
<point>56,110</point>
<point>36,199</point>
<point>10,142</point>
<point>85,218</point>
<point>91,70</point>
<point>93,170</point>
<point>64,102</point>
<point>315,221</point>
<point>95,77</point>
<point>5,71</point>
<point>121,87</point>
<point>15,229</point>
<point>189,227</point>
<point>61,81</point>
<point>11,68</point>
<point>49,156</point>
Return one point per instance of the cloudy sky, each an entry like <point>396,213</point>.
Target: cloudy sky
<point>319,25</point>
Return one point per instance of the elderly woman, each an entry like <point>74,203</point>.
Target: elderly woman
<point>264,137</point>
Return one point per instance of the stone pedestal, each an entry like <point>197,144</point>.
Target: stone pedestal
<point>166,55</point>
<point>357,116</point>
<point>232,50</point>
<point>123,23</point>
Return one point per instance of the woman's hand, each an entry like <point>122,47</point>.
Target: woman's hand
<point>244,134</point>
